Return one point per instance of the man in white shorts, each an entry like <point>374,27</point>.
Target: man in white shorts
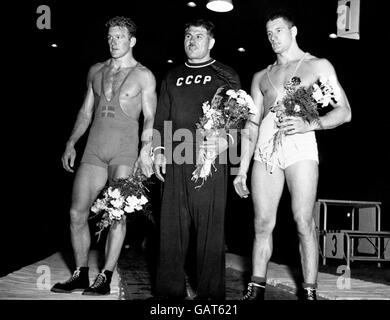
<point>294,161</point>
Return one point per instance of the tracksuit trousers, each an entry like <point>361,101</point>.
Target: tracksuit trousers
<point>185,208</point>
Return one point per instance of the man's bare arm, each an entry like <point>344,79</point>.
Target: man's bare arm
<point>85,113</point>
<point>251,130</point>
<point>149,102</point>
<point>341,112</point>
<point>249,137</point>
<point>83,120</point>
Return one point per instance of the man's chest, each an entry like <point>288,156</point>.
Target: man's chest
<point>276,80</point>
<point>123,84</point>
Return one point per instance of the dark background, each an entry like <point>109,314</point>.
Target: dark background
<point>45,89</point>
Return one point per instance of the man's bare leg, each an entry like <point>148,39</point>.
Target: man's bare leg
<point>117,233</point>
<point>89,181</point>
<point>266,192</point>
<point>115,239</point>
<point>114,242</point>
<point>267,189</point>
<point>302,180</point>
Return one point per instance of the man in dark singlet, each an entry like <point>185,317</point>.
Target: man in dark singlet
<point>296,162</point>
<point>185,208</point>
<point>118,91</point>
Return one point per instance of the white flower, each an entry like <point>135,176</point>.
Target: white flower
<point>336,88</point>
<point>98,206</point>
<point>317,93</point>
<point>326,100</point>
<point>241,101</point>
<point>242,93</point>
<point>114,193</point>
<point>117,203</point>
<point>248,98</point>
<point>297,108</point>
<point>116,213</point>
<point>143,200</point>
<point>208,125</point>
<point>210,113</point>
<point>132,201</point>
<point>206,107</point>
<point>330,87</point>
<point>231,93</point>
<point>251,104</point>
<point>138,207</point>
<point>205,170</point>
<point>129,209</point>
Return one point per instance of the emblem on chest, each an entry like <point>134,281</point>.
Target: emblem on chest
<point>191,79</point>
<point>107,112</point>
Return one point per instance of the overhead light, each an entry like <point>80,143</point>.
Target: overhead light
<point>220,5</point>
<point>169,61</point>
<point>53,45</point>
<point>191,4</point>
<point>241,49</point>
<point>333,36</point>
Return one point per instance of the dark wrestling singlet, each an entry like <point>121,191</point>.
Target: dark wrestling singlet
<point>113,137</point>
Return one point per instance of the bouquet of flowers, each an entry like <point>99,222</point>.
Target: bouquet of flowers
<point>229,109</point>
<point>305,102</point>
<point>125,195</point>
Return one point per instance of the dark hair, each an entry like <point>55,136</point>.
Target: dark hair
<point>123,22</point>
<point>284,14</point>
<point>208,25</point>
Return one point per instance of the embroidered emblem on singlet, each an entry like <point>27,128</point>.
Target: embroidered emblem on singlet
<point>108,111</point>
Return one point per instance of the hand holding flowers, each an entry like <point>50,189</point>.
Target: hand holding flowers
<point>306,102</point>
<point>229,109</point>
<point>123,196</point>
<point>300,106</point>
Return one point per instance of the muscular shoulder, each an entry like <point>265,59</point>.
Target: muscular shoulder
<point>94,70</point>
<point>145,76</point>
<point>320,65</point>
<point>258,80</point>
<point>144,71</point>
<point>258,76</point>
